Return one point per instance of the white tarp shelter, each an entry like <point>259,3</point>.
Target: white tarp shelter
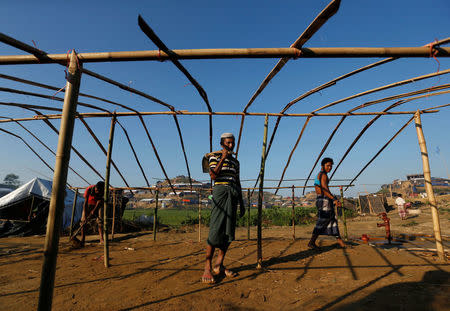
<point>43,189</point>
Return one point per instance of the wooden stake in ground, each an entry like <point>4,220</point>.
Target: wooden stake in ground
<point>293,213</point>
<point>199,219</point>
<point>248,213</point>
<point>106,192</point>
<point>73,213</point>
<point>113,215</point>
<point>56,209</point>
<point>261,193</point>
<point>344,221</point>
<point>155,215</point>
<point>429,187</point>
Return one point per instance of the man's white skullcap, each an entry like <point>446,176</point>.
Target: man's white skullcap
<point>227,135</point>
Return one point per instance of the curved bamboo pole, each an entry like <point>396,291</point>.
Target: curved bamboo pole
<point>333,82</point>
<point>174,59</point>
<point>102,148</point>
<point>292,152</point>
<point>134,153</point>
<point>29,147</point>
<point>9,90</point>
<point>51,151</point>
<point>315,25</point>
<point>52,127</point>
<point>401,102</point>
<point>367,105</point>
<point>381,150</point>
<point>42,57</point>
<point>385,87</point>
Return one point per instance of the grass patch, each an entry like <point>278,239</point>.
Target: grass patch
<point>410,224</point>
<point>270,217</point>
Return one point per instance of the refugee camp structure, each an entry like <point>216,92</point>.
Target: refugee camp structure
<point>68,114</point>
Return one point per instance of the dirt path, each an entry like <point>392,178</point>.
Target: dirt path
<point>165,275</point>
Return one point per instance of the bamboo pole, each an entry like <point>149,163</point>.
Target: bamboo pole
<point>44,57</point>
<point>106,193</point>
<point>113,215</point>
<point>293,213</point>
<point>158,55</point>
<point>292,152</point>
<point>344,221</point>
<point>174,59</point>
<point>59,184</point>
<point>315,25</point>
<point>429,187</point>
<point>248,213</point>
<point>385,87</point>
<point>102,148</point>
<point>199,219</point>
<point>255,114</point>
<point>155,215</point>
<point>261,194</point>
<point>73,213</point>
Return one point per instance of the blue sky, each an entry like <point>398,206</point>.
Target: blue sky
<point>99,26</point>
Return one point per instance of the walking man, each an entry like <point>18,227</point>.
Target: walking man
<point>224,170</point>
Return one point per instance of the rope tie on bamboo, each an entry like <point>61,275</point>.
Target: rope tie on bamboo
<point>433,53</point>
<point>34,43</point>
<point>298,52</point>
<point>159,56</point>
<point>66,70</point>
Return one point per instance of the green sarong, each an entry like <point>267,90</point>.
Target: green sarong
<point>223,215</point>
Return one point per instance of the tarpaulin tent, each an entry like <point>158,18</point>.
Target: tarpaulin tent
<point>27,208</point>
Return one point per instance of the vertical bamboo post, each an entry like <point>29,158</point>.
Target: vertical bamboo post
<point>155,215</point>
<point>293,213</point>
<point>56,209</point>
<point>359,201</point>
<point>106,192</point>
<point>248,214</point>
<point>73,213</point>
<point>113,216</point>
<point>344,220</point>
<point>199,219</point>
<point>261,193</point>
<point>429,187</point>
<point>390,189</point>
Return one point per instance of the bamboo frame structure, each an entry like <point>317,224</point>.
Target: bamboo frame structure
<point>72,92</point>
<point>428,186</point>
<point>366,105</point>
<point>59,184</point>
<point>344,221</point>
<point>248,213</point>
<point>293,212</point>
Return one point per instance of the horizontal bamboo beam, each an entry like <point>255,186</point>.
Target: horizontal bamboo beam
<point>158,55</point>
<point>203,113</point>
<point>209,189</point>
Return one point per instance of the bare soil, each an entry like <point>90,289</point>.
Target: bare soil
<point>165,275</point>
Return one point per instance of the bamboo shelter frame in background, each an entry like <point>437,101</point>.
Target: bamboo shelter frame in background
<point>69,114</point>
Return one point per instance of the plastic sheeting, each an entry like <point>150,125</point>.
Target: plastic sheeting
<point>43,188</point>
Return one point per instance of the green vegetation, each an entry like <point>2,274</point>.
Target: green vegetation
<point>410,224</point>
<point>270,217</point>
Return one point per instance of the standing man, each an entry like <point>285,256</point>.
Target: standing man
<point>400,202</point>
<point>93,208</point>
<point>224,170</point>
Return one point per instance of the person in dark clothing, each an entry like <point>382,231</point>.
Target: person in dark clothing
<point>93,208</point>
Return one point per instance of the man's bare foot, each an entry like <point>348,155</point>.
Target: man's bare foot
<point>207,277</point>
<point>222,270</point>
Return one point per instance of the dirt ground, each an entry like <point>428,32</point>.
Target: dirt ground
<point>165,275</point>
